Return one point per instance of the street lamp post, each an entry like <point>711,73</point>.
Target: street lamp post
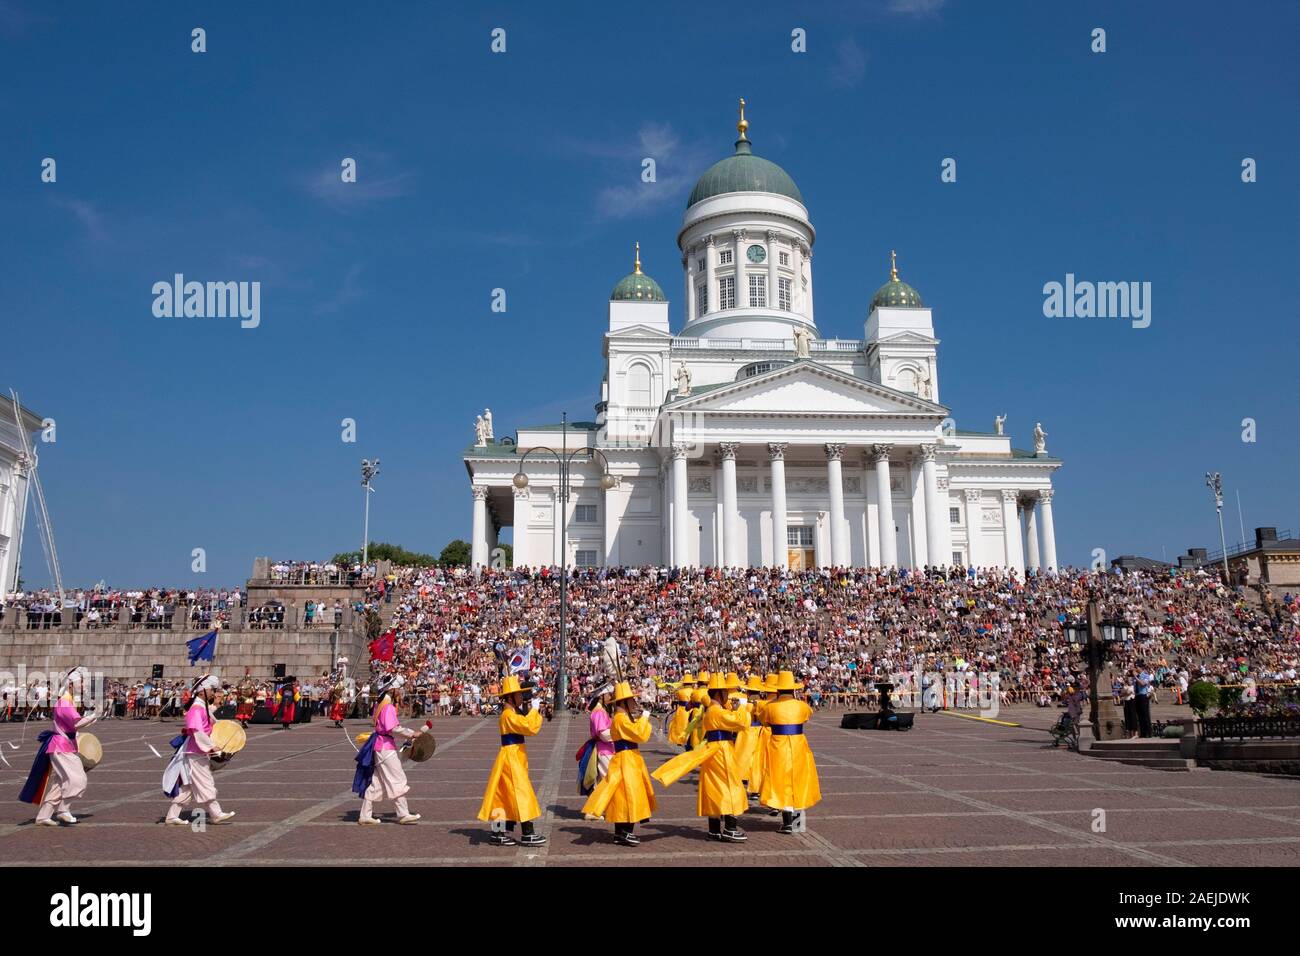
<point>1215,483</point>
<point>564,460</point>
<point>368,471</point>
<point>1094,636</point>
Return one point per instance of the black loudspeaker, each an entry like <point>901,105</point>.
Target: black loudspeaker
<point>859,721</point>
<point>157,672</point>
<point>279,671</point>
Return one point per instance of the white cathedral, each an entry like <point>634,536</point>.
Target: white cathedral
<point>747,438</point>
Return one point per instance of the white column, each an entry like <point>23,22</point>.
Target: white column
<point>974,521</point>
<point>1031,534</point>
<point>1011,531</point>
<point>478,544</point>
<point>773,300</point>
<point>710,277</point>
<point>885,506</point>
<point>523,517</point>
<point>688,267</point>
<point>611,525</point>
<point>719,511</point>
<point>796,288</point>
<point>780,518</point>
<point>839,531</point>
<point>1049,530</point>
<point>681,515</point>
<point>945,523</point>
<point>559,511</point>
<point>742,287</point>
<point>809,301</point>
<point>935,517</point>
<point>730,531</point>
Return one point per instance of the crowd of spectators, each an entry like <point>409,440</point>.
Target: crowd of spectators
<point>841,630</point>
<point>152,608</point>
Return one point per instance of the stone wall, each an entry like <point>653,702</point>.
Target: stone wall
<point>131,653</point>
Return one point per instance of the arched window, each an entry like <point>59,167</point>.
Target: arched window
<point>905,379</point>
<point>638,384</point>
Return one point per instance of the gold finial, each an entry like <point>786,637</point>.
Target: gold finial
<point>893,266</point>
<point>636,269</point>
<point>744,123</point>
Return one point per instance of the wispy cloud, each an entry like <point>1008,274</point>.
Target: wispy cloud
<point>374,183</point>
<point>350,292</point>
<point>850,64</point>
<point>916,8</point>
<point>676,167</point>
<point>87,214</point>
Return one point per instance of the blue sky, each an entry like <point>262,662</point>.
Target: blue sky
<point>522,171</point>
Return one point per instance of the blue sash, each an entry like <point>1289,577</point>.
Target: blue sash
<point>621,745</point>
<point>717,736</point>
<point>786,730</point>
<point>34,789</point>
<point>509,739</point>
<point>365,759</point>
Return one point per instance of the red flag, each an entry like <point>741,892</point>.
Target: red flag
<point>382,649</point>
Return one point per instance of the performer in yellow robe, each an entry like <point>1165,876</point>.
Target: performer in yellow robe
<point>747,743</point>
<point>681,712</point>
<point>790,774</point>
<point>625,797</point>
<point>721,796</point>
<point>509,797</point>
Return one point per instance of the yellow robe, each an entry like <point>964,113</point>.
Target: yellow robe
<point>626,794</point>
<point>790,773</point>
<point>677,725</point>
<point>697,735</point>
<point>747,742</point>
<point>759,758</point>
<point>509,794</point>
<point>721,792</point>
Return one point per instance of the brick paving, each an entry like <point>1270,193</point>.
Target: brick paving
<point>952,792</point>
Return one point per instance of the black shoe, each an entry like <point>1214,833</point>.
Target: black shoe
<point>773,813</point>
<point>627,839</point>
<point>503,839</point>
<point>532,839</point>
<point>786,828</point>
<point>734,836</point>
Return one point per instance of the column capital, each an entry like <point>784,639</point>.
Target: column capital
<point>521,493</point>
<point>708,240</point>
<point>973,494</point>
<point>880,453</point>
<point>834,451</point>
<point>1010,494</point>
<point>680,449</point>
<point>479,492</point>
<point>738,235</point>
<point>1045,494</point>
<point>770,235</point>
<point>727,450</point>
<point>776,450</point>
<point>928,452</point>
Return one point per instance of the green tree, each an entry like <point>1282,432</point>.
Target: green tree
<point>383,551</point>
<point>456,553</point>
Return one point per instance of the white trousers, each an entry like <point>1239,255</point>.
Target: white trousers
<point>67,782</point>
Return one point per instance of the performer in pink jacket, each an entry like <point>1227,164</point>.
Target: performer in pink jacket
<point>57,776</point>
<point>188,778</point>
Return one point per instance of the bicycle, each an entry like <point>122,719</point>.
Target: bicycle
<point>1066,731</point>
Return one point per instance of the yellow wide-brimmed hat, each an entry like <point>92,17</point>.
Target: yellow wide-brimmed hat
<point>683,694</point>
<point>688,679</point>
<point>702,677</point>
<point>623,691</point>
<point>770,682</point>
<point>785,681</point>
<point>733,680</point>
<point>510,686</point>
<point>755,683</point>
<point>718,682</point>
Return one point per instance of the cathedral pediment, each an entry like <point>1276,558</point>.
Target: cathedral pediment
<point>908,338</point>
<point>807,388</point>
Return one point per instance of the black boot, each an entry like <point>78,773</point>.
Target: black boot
<point>731,832</point>
<point>529,838</point>
<point>715,827</point>
<point>787,821</point>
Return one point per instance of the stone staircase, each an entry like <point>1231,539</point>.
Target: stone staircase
<point>1153,752</point>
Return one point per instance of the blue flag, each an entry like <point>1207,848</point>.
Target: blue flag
<point>202,648</point>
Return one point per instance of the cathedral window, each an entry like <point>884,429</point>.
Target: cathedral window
<point>584,514</point>
<point>727,292</point>
<point>954,517</point>
<point>758,291</point>
<point>724,257</point>
<point>638,385</point>
<point>585,558</point>
<point>699,265</point>
<point>783,294</point>
<point>702,298</point>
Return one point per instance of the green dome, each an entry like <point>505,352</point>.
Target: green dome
<point>636,286</point>
<point>896,294</point>
<point>744,173</point>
